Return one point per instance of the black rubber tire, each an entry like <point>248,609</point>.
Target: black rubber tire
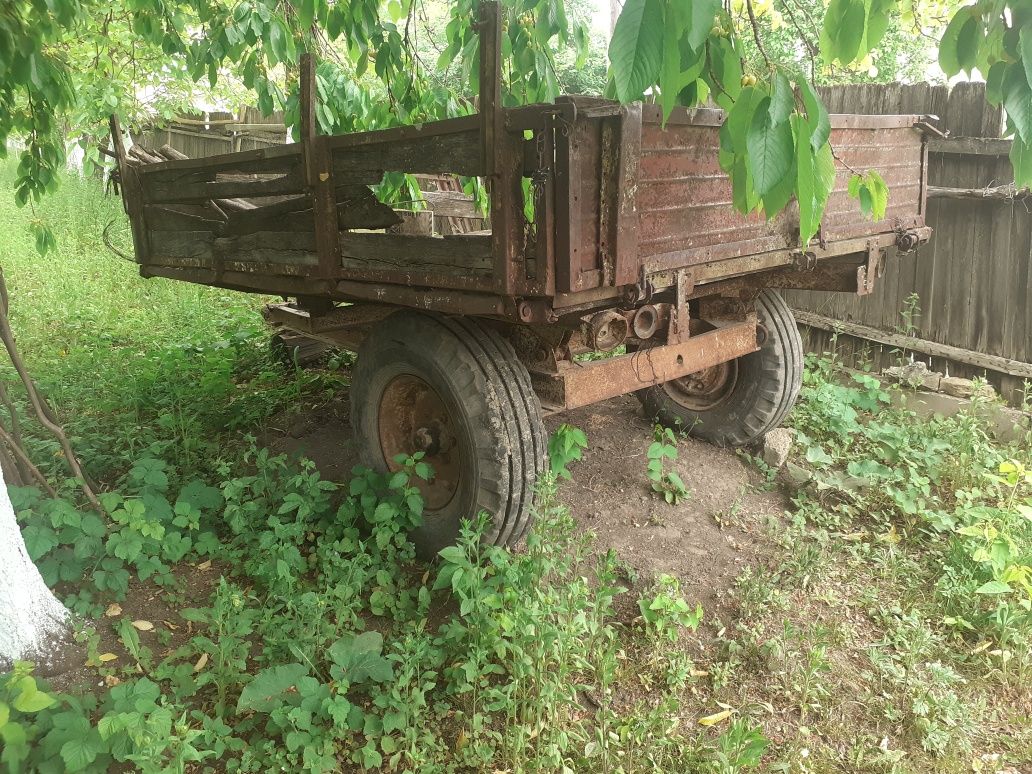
<point>487,393</point>
<point>766,387</point>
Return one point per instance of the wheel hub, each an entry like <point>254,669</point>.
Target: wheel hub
<point>705,389</point>
<point>413,418</point>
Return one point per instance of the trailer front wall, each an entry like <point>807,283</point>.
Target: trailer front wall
<point>684,202</point>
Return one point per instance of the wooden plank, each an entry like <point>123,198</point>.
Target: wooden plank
<point>157,192</point>
<point>319,172</point>
<point>460,124</point>
<point>489,24</point>
<point>451,204</point>
<point>970,146</point>
<point>454,153</point>
<point>978,359</point>
<point>186,247</point>
<point>358,208</point>
<point>268,247</point>
<point>181,217</point>
<point>470,254</point>
<point>259,160</point>
<point>403,252</point>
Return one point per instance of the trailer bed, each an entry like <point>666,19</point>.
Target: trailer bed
<point>621,204</point>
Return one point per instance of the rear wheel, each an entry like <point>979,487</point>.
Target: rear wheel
<point>738,402</point>
<point>454,390</point>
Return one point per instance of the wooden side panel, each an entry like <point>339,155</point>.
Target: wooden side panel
<point>684,202</point>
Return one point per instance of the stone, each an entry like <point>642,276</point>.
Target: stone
<point>914,375</point>
<point>776,446</point>
<point>796,476</point>
<point>931,381</point>
<point>966,388</point>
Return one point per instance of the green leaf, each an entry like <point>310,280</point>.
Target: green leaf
<point>877,24</point>
<point>816,114</point>
<point>843,32</point>
<point>725,71</point>
<point>969,38</point>
<point>681,66</point>
<point>1021,161</point>
<point>770,149</point>
<point>879,194</point>
<point>994,82</point>
<point>636,50</point>
<point>993,587</point>
<point>812,189</point>
<point>866,202</point>
<point>30,698</point>
<point>276,38</point>
<point>265,692</point>
<point>700,15</point>
<point>305,12</point>
<point>78,753</point>
<point>359,659</point>
<point>781,100</point>
<point>949,54</point>
<point>1017,100</point>
<point>1025,49</point>
<point>39,539</point>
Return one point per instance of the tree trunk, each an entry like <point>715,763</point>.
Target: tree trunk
<point>31,618</point>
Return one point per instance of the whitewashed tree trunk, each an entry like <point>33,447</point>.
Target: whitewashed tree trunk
<point>31,618</point>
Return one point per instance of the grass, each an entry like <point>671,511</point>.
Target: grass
<point>133,365</point>
<point>887,628</point>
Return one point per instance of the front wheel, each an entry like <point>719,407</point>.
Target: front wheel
<point>454,390</point>
<point>738,402</point>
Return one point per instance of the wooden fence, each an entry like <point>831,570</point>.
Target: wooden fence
<point>973,280</point>
<point>209,134</point>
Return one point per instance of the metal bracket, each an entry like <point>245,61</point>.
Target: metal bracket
<point>679,320</point>
<point>872,270</point>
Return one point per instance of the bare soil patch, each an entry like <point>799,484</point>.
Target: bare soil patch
<point>705,541</point>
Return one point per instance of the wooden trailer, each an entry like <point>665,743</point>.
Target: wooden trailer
<point>465,339</point>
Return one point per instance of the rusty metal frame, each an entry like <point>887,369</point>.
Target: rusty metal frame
<point>580,384</point>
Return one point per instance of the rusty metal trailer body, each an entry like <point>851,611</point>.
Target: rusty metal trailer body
<point>629,236</point>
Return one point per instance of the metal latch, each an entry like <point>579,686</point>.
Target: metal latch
<point>872,270</point>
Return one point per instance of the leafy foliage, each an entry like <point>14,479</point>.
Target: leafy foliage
<point>996,39</point>
<point>965,499</point>
<point>565,446</point>
<point>661,452</point>
<point>81,60</point>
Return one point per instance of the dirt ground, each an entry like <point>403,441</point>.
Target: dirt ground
<point>705,541</point>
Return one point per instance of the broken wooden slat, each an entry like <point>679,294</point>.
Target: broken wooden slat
<point>360,209</point>
<point>258,160</point>
<point>171,154</point>
<point>144,154</point>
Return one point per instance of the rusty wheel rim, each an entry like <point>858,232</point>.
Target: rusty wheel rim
<point>706,389</point>
<point>412,418</point>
